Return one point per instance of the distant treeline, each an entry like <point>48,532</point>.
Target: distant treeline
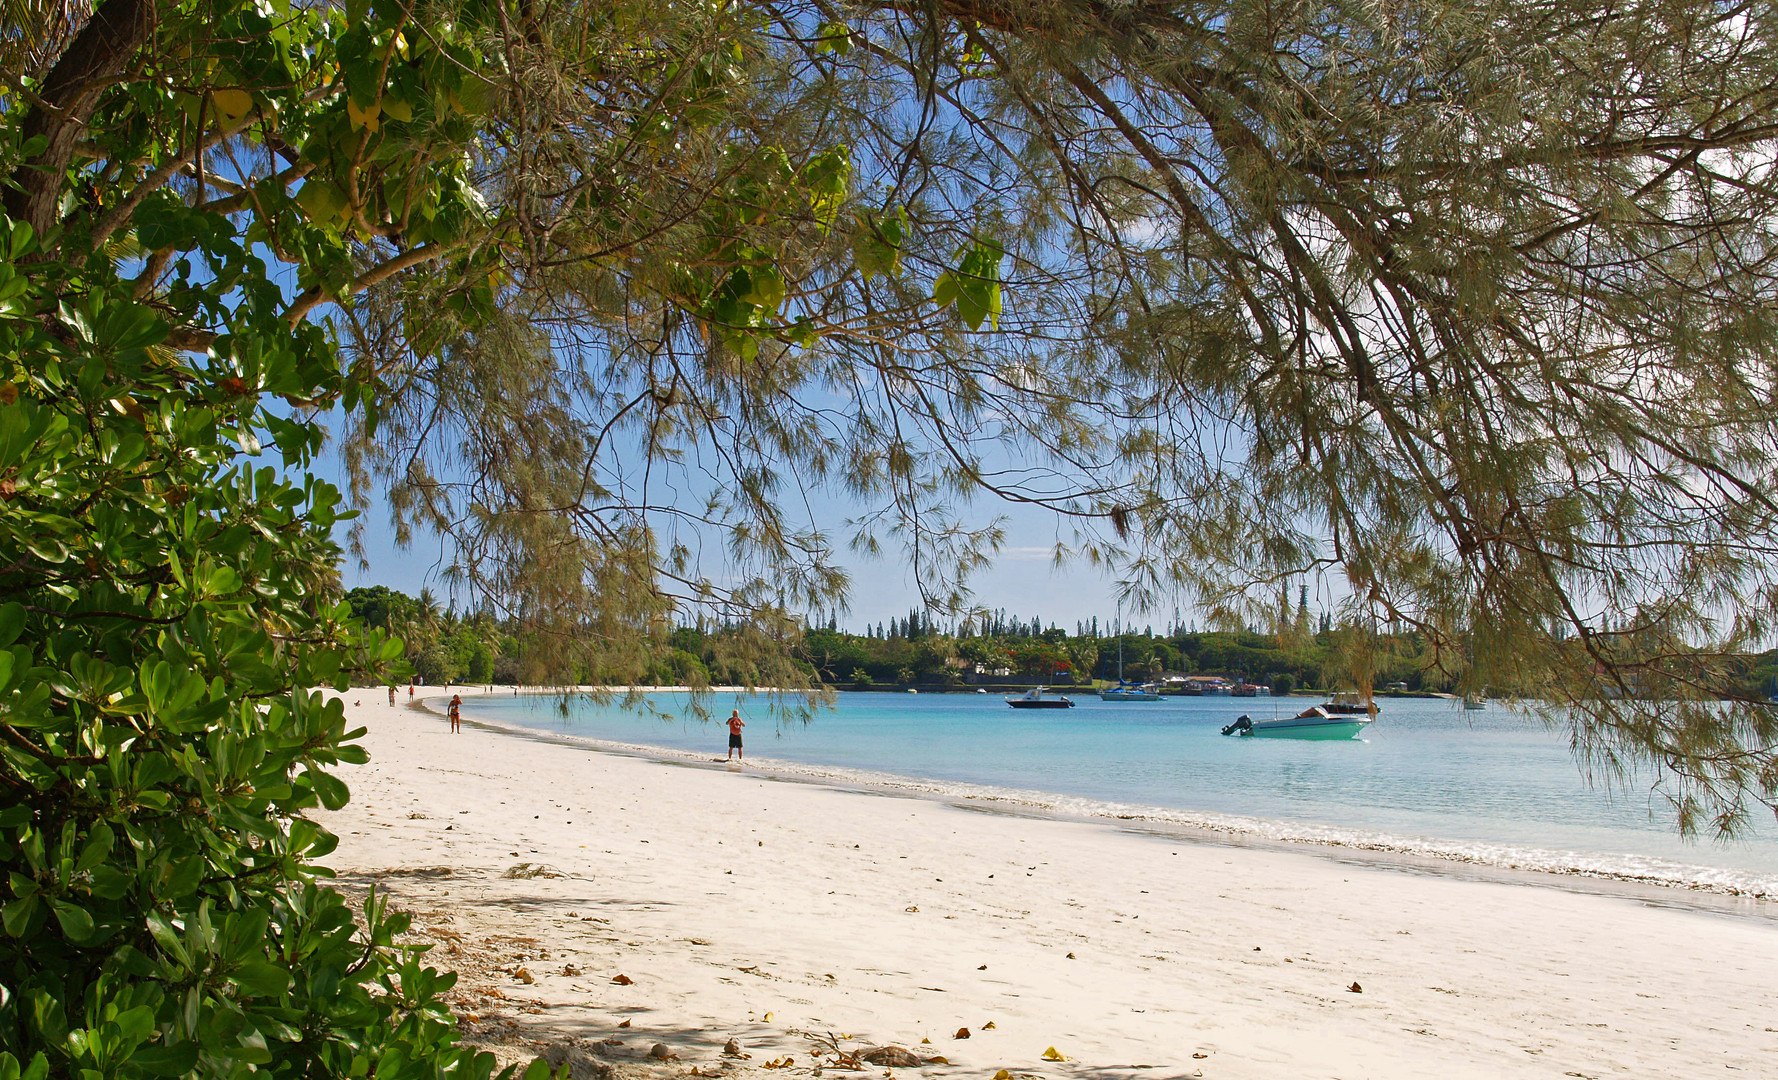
<point>910,653</point>
<point>443,645</point>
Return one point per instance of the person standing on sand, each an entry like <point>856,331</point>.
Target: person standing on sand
<point>735,724</point>
<point>457,713</point>
<point>391,695</point>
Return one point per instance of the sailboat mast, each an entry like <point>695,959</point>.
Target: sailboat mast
<point>1120,644</point>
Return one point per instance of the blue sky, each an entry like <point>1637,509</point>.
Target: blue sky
<point>1022,581</point>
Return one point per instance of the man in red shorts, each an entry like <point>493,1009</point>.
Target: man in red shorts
<point>735,724</point>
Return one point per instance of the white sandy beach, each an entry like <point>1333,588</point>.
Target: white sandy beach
<point>744,906</point>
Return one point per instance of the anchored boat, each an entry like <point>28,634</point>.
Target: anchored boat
<point>1314,722</point>
<point>1034,699</point>
<point>1124,691</point>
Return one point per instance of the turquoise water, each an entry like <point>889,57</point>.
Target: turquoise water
<point>1492,786</point>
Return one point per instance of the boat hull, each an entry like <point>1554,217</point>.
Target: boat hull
<point>1047,703</point>
<point>1335,727</point>
<point>1128,695</point>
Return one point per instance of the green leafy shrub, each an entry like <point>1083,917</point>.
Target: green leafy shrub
<point>168,572</point>
<point>168,602</point>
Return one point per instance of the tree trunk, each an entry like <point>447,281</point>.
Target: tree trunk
<point>100,52</point>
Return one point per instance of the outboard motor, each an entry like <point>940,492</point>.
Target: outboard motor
<point>1243,725</point>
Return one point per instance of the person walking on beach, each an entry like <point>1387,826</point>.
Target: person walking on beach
<point>735,724</point>
<point>456,713</point>
<point>391,695</point>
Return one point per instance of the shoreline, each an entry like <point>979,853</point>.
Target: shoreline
<point>782,913</point>
<point>1715,889</point>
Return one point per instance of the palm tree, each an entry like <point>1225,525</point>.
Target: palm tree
<point>417,624</point>
<point>428,617</point>
<point>33,33</point>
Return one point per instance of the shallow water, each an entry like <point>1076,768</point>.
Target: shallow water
<point>1492,786</point>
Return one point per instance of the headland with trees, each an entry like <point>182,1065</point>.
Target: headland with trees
<point>992,649</point>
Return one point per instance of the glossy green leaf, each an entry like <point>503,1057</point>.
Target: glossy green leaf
<point>75,921</point>
<point>12,622</point>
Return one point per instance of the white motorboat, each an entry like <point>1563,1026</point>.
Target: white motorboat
<point>1314,722</point>
<point>1034,699</point>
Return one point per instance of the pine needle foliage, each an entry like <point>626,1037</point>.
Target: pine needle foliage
<point>1461,309</point>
